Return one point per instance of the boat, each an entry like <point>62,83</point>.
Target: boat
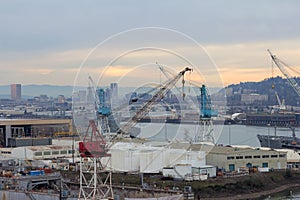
<point>279,119</point>
<point>280,142</point>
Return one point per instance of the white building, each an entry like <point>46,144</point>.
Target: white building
<point>251,98</point>
<point>38,152</point>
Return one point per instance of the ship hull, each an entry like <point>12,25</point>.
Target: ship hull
<point>279,142</point>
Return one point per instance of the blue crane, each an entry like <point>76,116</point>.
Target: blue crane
<point>206,111</point>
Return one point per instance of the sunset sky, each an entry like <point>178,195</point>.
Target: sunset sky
<point>49,42</point>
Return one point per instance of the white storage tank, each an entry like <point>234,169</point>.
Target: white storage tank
<point>125,157</point>
<point>124,160</point>
<point>151,160</point>
<point>194,158</point>
<point>173,156</point>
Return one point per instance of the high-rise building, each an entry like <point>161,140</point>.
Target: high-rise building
<point>15,91</point>
<point>90,95</point>
<point>114,91</point>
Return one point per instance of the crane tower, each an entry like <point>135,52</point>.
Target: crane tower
<point>95,180</point>
<point>206,112</point>
<point>205,134</point>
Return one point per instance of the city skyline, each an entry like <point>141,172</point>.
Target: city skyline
<point>46,43</point>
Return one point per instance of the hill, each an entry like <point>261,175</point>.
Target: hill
<point>281,86</point>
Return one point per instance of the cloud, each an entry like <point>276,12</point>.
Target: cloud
<point>235,63</point>
<point>250,61</point>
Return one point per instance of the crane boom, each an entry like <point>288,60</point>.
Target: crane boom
<point>142,112</point>
<point>281,65</point>
<point>205,101</point>
<point>92,86</point>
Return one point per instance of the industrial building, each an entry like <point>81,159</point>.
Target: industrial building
<point>293,158</point>
<point>233,158</point>
<point>38,152</point>
<point>31,132</point>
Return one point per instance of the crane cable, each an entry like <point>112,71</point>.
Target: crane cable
<point>291,68</point>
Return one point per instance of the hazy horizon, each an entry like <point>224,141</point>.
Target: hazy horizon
<point>59,43</point>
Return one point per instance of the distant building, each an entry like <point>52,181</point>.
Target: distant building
<point>114,94</point>
<point>15,91</point>
<point>229,91</point>
<point>90,95</point>
<point>253,98</point>
<point>61,99</point>
<point>114,90</point>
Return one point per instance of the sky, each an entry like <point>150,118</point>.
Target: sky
<point>60,42</point>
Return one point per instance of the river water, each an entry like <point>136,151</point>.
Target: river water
<point>224,134</point>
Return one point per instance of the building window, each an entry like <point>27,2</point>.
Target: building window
<point>274,156</point>
<point>282,156</point>
<point>55,152</point>
<point>5,152</point>
<point>248,157</point>
<point>265,164</point>
<point>265,156</point>
<point>63,152</point>
<point>47,153</point>
<point>239,157</point>
<point>231,167</point>
<point>38,153</point>
<point>230,157</point>
<point>257,156</point>
<point>71,151</point>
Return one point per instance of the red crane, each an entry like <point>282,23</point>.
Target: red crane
<point>93,144</point>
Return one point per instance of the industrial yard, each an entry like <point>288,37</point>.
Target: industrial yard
<point>156,100</point>
<point>96,156</point>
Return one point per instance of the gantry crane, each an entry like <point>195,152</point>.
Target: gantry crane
<point>282,67</point>
<point>206,112</point>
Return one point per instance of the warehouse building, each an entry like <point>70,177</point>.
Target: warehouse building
<point>31,132</point>
<point>39,152</point>
<point>233,158</point>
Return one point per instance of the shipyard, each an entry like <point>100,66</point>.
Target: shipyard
<point>160,148</point>
<point>151,100</point>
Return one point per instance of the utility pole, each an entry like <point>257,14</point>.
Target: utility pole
<point>229,133</point>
